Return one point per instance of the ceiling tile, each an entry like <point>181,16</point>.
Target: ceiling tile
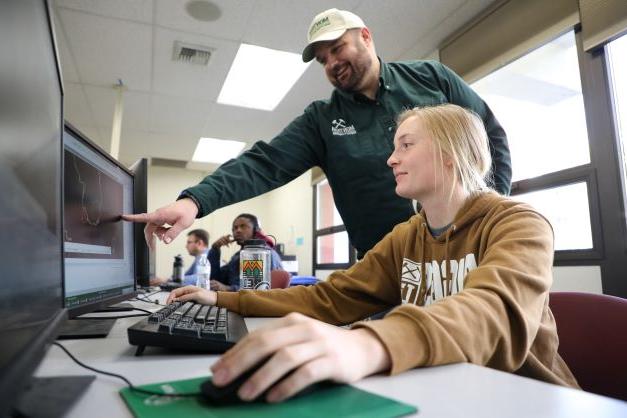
<point>396,25</point>
<point>137,10</point>
<point>283,25</point>
<point>136,107</point>
<point>68,68</point>
<point>139,144</point>
<point>106,49</point>
<point>430,41</point>
<point>172,115</point>
<point>183,79</point>
<point>76,109</point>
<point>231,24</point>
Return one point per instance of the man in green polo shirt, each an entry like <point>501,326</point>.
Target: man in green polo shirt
<point>350,136</point>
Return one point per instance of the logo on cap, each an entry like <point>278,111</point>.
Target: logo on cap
<point>319,25</point>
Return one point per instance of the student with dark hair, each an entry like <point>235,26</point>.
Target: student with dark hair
<point>245,227</point>
<point>467,280</point>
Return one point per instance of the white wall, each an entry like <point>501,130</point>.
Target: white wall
<point>285,213</point>
<point>577,279</point>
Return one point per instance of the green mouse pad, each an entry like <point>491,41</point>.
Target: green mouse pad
<point>333,401</point>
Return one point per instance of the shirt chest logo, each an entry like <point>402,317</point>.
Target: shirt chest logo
<point>339,127</point>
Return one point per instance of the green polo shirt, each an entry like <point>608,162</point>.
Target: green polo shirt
<point>351,137</point>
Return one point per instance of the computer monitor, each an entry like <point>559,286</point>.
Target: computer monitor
<point>31,294</point>
<point>143,256</point>
<point>98,245</point>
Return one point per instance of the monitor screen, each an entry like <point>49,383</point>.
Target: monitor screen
<point>98,245</point>
<point>31,304</point>
<point>144,259</point>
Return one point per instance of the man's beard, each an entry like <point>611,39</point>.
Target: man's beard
<point>359,69</point>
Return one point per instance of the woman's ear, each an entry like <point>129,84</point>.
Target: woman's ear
<point>448,161</point>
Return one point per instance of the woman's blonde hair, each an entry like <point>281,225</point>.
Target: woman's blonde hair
<point>460,134</point>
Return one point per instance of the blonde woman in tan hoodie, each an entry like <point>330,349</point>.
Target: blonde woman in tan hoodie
<point>468,280</point>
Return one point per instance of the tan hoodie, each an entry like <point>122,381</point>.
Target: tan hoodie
<point>491,309</point>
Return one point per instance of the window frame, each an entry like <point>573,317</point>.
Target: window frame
<point>579,174</point>
<point>316,233</point>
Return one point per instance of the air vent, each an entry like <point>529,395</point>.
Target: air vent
<point>166,162</point>
<point>193,54</point>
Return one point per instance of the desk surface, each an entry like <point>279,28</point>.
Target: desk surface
<point>445,391</point>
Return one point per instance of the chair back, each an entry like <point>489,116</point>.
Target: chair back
<point>280,279</point>
<point>592,331</point>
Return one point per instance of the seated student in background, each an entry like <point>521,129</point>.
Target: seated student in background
<point>469,278</point>
<point>245,227</point>
<point>197,245</point>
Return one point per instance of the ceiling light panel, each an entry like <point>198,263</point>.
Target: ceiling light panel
<point>261,77</point>
<point>213,150</point>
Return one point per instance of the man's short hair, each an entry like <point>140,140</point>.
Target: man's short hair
<point>200,234</point>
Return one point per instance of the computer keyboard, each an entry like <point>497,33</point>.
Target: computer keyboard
<point>188,326</point>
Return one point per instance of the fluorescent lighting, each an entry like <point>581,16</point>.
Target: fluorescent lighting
<point>260,77</point>
<point>212,150</point>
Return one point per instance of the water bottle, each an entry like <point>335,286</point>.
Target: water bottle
<point>177,269</point>
<point>203,272</point>
<point>255,260</point>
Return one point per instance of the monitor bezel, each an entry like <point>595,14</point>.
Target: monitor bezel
<point>19,372</point>
<point>140,205</point>
<point>100,304</point>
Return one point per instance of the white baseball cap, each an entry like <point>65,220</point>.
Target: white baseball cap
<point>328,26</point>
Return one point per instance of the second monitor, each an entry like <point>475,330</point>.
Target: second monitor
<point>98,246</point>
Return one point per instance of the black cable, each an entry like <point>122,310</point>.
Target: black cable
<point>87,318</point>
<point>119,376</point>
<point>117,317</point>
<point>142,310</point>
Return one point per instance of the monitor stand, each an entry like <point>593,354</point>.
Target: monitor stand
<point>85,328</point>
<point>51,396</point>
<point>120,307</point>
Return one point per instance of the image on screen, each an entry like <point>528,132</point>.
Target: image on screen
<point>93,204</point>
<point>98,246</point>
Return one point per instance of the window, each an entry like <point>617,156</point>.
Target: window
<point>617,58</point>
<point>571,227</point>
<point>332,249</point>
<point>538,99</point>
<point>326,213</point>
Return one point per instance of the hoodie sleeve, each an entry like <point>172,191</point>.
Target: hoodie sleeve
<point>495,319</point>
<point>368,287</point>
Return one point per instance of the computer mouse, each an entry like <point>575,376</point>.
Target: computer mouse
<point>227,395</point>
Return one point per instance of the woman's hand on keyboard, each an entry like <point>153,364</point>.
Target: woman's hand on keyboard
<point>303,349</point>
<point>193,293</point>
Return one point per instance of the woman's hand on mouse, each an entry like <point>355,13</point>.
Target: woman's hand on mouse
<point>193,293</point>
<point>313,350</point>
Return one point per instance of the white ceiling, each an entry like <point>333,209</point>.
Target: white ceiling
<point>169,105</point>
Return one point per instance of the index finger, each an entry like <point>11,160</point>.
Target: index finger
<point>138,217</point>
